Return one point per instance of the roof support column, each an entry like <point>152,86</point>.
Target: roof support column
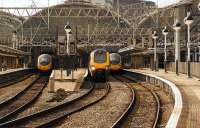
<point>177,36</point>
<point>179,15</point>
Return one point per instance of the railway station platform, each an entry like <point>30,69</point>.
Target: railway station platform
<point>65,82</point>
<point>190,90</point>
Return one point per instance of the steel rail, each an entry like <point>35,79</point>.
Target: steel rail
<point>155,97</point>
<point>174,91</point>
<point>47,111</point>
<point>20,101</point>
<point>15,80</point>
<point>178,102</point>
<point>48,124</point>
<point>128,109</point>
<point>12,98</point>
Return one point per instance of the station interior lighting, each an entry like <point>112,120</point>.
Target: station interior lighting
<point>199,6</point>
<point>155,35</point>
<point>177,25</point>
<point>188,19</point>
<point>67,28</point>
<point>165,31</point>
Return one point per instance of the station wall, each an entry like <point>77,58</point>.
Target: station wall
<point>10,62</point>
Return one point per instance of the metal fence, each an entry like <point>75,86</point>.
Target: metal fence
<point>182,67</point>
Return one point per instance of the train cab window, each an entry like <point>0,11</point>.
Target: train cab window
<point>100,57</point>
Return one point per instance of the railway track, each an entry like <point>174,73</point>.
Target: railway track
<point>104,113</point>
<point>22,99</point>
<point>128,109</point>
<point>15,90</point>
<point>53,115</point>
<point>144,111</point>
<point>15,80</point>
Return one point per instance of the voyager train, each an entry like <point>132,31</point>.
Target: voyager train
<point>115,62</point>
<point>44,63</point>
<point>99,64</point>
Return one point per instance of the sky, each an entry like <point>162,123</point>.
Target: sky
<point>25,3</point>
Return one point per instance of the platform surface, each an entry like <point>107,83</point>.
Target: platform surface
<point>67,83</point>
<point>12,70</point>
<point>190,89</point>
<point>77,73</point>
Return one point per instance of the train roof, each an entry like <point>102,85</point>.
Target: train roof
<point>99,50</point>
<point>114,53</point>
<point>44,55</point>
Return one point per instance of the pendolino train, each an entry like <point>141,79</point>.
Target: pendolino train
<point>115,62</point>
<point>44,63</point>
<point>99,64</point>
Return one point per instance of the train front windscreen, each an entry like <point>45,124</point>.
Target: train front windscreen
<point>44,60</point>
<point>100,57</point>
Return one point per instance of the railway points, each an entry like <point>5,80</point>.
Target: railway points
<point>108,63</point>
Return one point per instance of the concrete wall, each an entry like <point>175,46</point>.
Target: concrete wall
<point>195,68</point>
<point>140,61</point>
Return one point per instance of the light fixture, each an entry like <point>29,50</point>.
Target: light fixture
<point>67,28</point>
<point>155,35</point>
<point>165,31</point>
<point>188,19</point>
<point>177,25</point>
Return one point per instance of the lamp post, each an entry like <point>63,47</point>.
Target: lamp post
<point>67,29</point>
<point>68,32</point>
<point>155,37</point>
<point>188,20</point>
<point>165,33</point>
<point>177,28</point>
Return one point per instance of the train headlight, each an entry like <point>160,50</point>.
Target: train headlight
<point>93,68</point>
<point>107,67</point>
